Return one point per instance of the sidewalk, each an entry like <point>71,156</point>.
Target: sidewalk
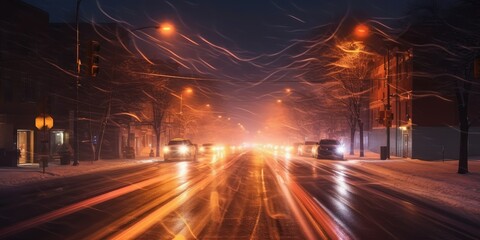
<point>32,172</point>
<point>368,155</point>
<point>435,180</point>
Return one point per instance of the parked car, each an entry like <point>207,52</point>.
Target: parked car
<point>330,149</point>
<point>180,149</point>
<point>307,149</point>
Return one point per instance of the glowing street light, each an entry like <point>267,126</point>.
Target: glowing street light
<point>361,31</point>
<point>44,122</point>
<point>187,91</point>
<point>166,29</point>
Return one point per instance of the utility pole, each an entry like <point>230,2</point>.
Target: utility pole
<point>78,65</point>
<point>388,120</point>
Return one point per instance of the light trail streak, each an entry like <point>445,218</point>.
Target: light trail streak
<point>48,217</point>
<point>152,218</point>
<point>324,223</point>
<point>296,18</point>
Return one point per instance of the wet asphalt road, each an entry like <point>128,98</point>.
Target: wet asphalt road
<point>250,195</point>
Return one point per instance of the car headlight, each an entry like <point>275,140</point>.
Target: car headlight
<point>340,149</point>
<point>183,149</point>
<point>166,149</point>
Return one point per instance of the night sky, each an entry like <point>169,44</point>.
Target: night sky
<point>240,43</point>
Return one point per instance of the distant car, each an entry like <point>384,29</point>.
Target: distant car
<point>180,149</point>
<point>207,149</point>
<point>307,149</point>
<point>330,149</point>
<point>295,147</point>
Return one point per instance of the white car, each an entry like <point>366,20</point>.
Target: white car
<point>180,149</point>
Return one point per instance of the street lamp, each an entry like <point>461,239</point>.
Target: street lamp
<point>165,29</point>
<point>363,31</point>
<point>45,122</point>
<point>188,91</point>
<point>78,64</point>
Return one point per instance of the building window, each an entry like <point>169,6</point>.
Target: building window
<point>29,88</point>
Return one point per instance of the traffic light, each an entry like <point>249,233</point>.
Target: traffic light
<point>388,118</point>
<point>381,117</point>
<point>94,58</point>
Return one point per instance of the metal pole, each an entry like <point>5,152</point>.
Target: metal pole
<point>181,103</point>
<point>44,158</point>
<point>77,85</point>
<point>388,107</point>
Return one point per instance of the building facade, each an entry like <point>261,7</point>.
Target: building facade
<point>423,82</point>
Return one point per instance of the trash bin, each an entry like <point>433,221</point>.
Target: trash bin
<point>383,152</point>
<point>9,158</point>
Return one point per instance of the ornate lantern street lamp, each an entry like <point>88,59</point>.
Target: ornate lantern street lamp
<point>44,122</point>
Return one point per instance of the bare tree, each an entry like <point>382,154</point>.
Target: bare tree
<point>350,69</point>
<point>152,91</point>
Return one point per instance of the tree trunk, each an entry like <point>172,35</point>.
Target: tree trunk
<point>104,126</point>
<point>352,140</point>
<point>462,94</point>
<point>360,126</point>
<point>157,135</point>
<point>463,158</point>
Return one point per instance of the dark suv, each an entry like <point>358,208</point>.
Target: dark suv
<point>330,149</point>
<point>180,149</point>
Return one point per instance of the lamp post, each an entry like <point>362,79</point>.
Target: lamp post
<point>187,90</point>
<point>363,31</point>
<point>388,107</point>
<point>44,122</point>
<point>78,65</point>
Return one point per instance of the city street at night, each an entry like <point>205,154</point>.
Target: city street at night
<point>254,194</point>
<point>222,119</point>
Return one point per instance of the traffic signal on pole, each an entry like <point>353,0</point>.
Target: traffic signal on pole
<point>381,117</point>
<point>94,58</point>
<point>385,118</point>
<point>388,118</point>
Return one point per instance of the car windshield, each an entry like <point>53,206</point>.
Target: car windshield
<point>329,142</point>
<point>178,142</point>
<point>239,119</point>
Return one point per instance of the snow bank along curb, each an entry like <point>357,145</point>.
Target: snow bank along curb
<point>436,180</point>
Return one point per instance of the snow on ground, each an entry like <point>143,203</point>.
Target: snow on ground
<point>437,180</point>
<point>27,173</point>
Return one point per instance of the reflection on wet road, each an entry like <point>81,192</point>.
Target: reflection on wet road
<point>252,195</point>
